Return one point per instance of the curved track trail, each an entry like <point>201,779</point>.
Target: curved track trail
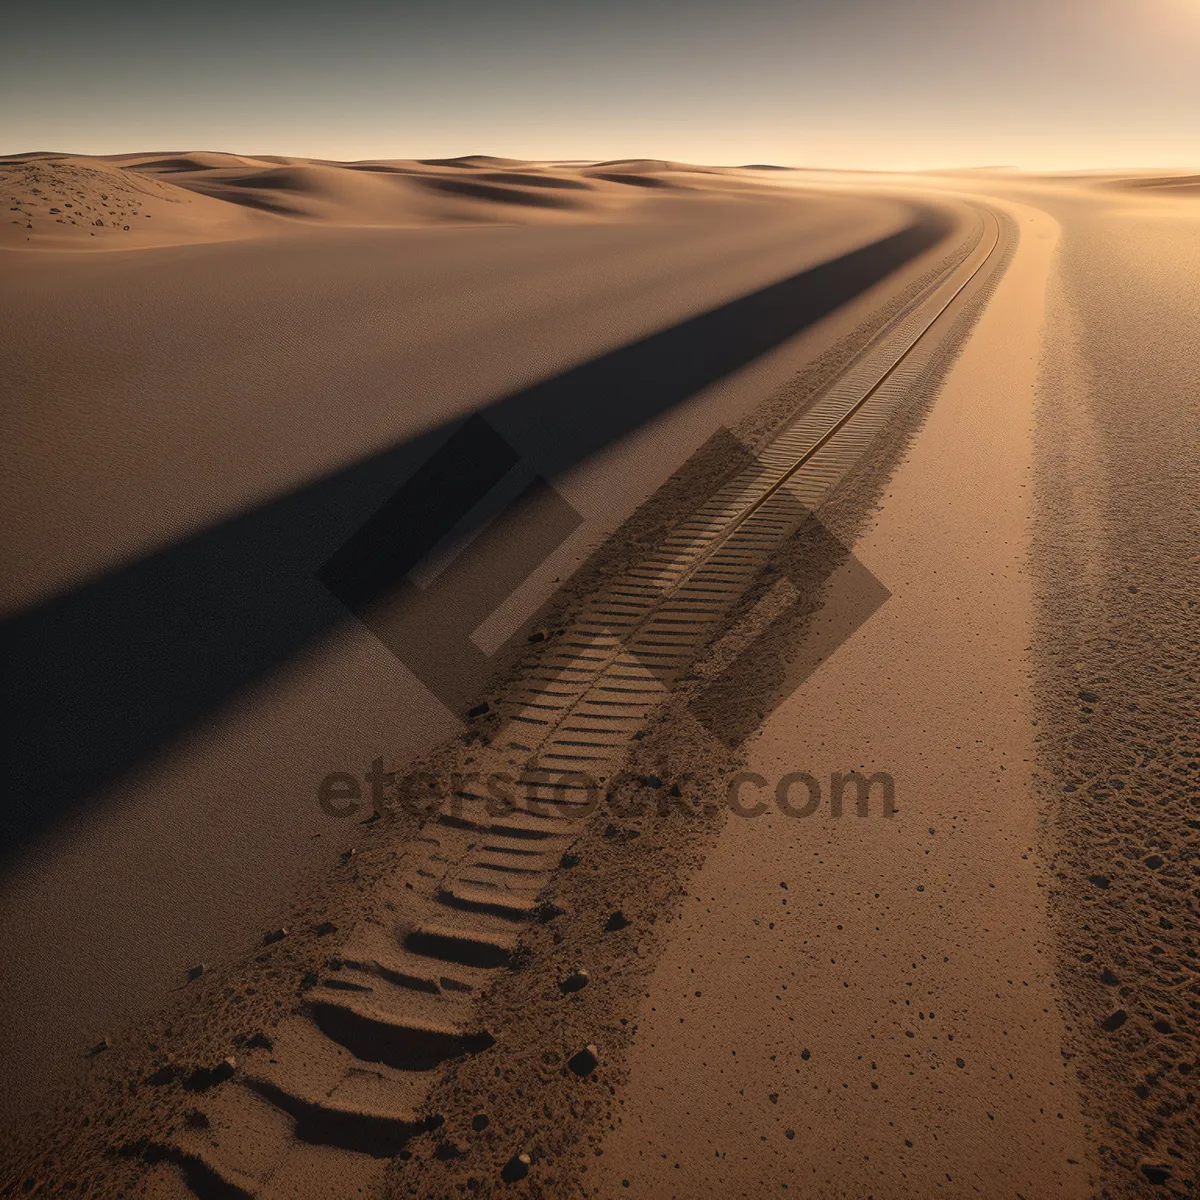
<point>344,1084</point>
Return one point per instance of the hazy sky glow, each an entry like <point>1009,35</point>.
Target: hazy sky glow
<point>848,83</point>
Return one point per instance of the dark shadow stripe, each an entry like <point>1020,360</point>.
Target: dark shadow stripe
<point>98,679</point>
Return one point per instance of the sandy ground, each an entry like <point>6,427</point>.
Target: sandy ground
<point>867,1006</point>
<point>406,329</point>
<point>1114,556</point>
<point>991,992</point>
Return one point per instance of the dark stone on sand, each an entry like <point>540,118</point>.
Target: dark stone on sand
<point>99,1047</point>
<point>585,1062</point>
<point>195,1119</point>
<point>1114,1020</point>
<point>616,920</point>
<point>1101,881</point>
<point>537,637</point>
<point>547,911</point>
<point>569,860</point>
<point>275,935</point>
<point>195,972</point>
<point>1156,1173</point>
<point>1108,978</point>
<point>479,1122</point>
<point>1088,697</point>
<point>446,1152</point>
<point>480,710</point>
<point>163,1076</point>
<point>574,982</point>
<point>324,928</point>
<point>203,1078</point>
<point>259,1041</point>
<point>516,1168</point>
<point>1154,861</point>
<point>789,1134</point>
<point>806,1055</point>
<point>652,781</point>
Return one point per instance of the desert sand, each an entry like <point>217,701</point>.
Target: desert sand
<point>990,992</point>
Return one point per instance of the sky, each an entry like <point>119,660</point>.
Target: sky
<point>885,84</point>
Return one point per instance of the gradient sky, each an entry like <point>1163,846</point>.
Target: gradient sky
<point>846,83</point>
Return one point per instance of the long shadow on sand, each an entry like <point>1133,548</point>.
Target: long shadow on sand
<point>100,678</point>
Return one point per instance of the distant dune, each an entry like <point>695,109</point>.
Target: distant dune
<point>64,201</point>
<point>1187,184</point>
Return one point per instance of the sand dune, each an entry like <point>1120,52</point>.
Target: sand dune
<point>61,201</point>
<point>73,202</point>
<point>1165,183</point>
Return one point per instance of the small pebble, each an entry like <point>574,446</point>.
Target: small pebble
<point>516,1168</point>
<point>574,982</point>
<point>585,1062</point>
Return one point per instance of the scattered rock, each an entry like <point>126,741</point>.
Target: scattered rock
<point>1088,697</point>
<point>480,710</point>
<point>259,1041</point>
<point>1156,1172</point>
<point>585,1062</point>
<point>479,1122</point>
<point>537,637</point>
<point>203,1078</point>
<point>324,928</point>
<point>1101,881</point>
<point>195,1119</point>
<point>516,1168</point>
<point>195,972</point>
<point>616,920</point>
<point>1154,861</point>
<point>546,911</point>
<point>275,935</point>
<point>446,1152</point>
<point>652,781</point>
<point>575,982</point>
<point>163,1076</point>
<point>569,860</point>
<point>102,1045</point>
<point>1108,978</point>
<point>1114,1020</point>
